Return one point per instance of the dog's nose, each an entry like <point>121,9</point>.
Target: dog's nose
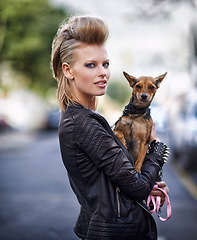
<point>144,96</point>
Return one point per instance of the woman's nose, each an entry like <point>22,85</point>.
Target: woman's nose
<point>102,71</point>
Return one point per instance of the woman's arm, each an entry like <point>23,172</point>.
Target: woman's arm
<point>109,157</point>
<point>161,184</point>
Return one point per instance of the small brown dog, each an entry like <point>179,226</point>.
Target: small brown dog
<point>134,127</point>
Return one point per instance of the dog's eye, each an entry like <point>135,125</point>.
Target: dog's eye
<point>151,87</point>
<point>138,86</point>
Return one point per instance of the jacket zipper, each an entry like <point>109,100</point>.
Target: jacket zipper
<point>118,200</point>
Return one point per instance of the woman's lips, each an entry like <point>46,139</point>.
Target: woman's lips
<point>101,83</point>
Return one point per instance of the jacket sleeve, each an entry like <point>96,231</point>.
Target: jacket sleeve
<point>109,157</point>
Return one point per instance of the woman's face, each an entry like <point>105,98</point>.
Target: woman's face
<point>89,75</point>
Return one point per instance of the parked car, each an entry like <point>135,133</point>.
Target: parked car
<point>184,133</point>
<point>4,125</point>
<point>53,119</point>
<point>160,117</point>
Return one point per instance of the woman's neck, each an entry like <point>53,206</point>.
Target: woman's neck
<point>88,102</point>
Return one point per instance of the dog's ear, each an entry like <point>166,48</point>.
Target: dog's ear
<point>132,80</point>
<point>160,79</point>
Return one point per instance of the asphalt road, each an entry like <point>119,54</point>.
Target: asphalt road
<point>36,202</point>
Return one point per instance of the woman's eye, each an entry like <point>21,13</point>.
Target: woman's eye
<point>106,65</point>
<point>90,65</point>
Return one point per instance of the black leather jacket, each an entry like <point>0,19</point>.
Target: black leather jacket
<point>102,175</point>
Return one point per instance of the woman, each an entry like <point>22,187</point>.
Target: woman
<point>101,171</point>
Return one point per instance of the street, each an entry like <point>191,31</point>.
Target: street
<point>36,202</point>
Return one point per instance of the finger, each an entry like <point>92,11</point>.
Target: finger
<point>161,184</point>
<point>157,193</point>
<point>164,186</point>
<point>162,202</point>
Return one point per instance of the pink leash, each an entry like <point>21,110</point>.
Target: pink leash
<point>157,204</point>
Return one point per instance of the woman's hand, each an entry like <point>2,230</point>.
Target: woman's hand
<point>156,193</point>
<point>153,135</point>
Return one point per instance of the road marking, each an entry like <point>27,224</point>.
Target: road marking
<point>187,182</point>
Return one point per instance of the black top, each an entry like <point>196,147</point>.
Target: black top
<point>102,175</point>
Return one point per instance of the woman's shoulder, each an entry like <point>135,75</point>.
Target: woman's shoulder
<point>77,114</point>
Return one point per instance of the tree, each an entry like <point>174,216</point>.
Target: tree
<point>27,28</point>
<point>119,91</point>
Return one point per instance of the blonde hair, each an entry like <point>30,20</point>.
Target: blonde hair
<point>69,37</point>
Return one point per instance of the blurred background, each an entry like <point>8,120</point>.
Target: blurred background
<point>147,37</point>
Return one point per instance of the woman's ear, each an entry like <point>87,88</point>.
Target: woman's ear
<point>67,71</point>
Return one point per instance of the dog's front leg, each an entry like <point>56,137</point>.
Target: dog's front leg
<point>141,156</point>
<point>120,136</point>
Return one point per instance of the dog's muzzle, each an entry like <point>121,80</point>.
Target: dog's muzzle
<point>144,96</point>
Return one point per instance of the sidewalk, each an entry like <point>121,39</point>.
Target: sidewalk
<point>12,139</point>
